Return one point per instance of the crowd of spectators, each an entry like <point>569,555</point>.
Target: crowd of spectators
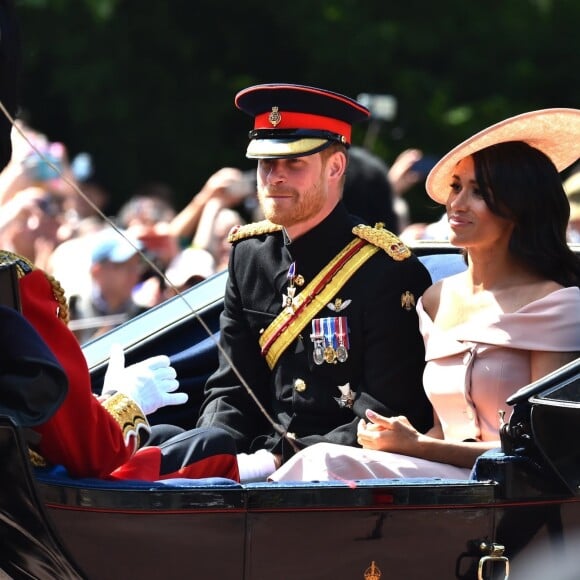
<point>115,267</point>
<point>112,267</point>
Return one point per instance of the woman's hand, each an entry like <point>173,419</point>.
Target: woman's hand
<point>395,434</point>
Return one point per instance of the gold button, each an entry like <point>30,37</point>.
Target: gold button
<point>299,385</point>
<point>299,280</point>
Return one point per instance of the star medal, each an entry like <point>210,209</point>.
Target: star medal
<point>317,338</point>
<point>346,399</point>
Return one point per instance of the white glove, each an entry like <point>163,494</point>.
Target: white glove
<point>150,383</point>
<point>255,466</point>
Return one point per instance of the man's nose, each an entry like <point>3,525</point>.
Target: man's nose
<point>276,173</point>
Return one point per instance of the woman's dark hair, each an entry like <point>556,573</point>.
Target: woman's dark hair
<point>519,182</point>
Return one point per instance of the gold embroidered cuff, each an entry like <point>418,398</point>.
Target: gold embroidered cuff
<point>128,414</point>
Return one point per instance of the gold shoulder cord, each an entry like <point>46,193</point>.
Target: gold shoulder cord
<point>250,230</point>
<point>384,239</point>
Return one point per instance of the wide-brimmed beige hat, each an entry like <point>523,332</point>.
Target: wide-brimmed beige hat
<point>555,132</point>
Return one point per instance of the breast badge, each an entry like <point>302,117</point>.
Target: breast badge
<point>407,300</point>
<point>338,304</point>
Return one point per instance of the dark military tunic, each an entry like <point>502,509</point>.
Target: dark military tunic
<point>386,352</point>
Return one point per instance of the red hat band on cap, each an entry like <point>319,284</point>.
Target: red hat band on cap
<point>296,120</point>
<point>290,120</point>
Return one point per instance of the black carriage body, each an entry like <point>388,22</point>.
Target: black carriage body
<point>412,529</point>
<point>524,499</point>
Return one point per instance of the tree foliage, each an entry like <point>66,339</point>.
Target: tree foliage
<point>147,87</point>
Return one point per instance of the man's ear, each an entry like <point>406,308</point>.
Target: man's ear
<point>336,165</point>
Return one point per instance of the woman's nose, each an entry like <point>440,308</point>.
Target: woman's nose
<point>458,200</point>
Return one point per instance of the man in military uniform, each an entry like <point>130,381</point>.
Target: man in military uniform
<point>319,321</point>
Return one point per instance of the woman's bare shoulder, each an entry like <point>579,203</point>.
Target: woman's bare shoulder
<point>433,296</point>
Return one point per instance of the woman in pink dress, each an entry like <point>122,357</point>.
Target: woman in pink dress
<point>512,317</point>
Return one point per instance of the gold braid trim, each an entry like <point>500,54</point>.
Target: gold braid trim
<point>60,297</point>
<point>25,266</point>
<point>250,230</point>
<point>384,239</point>
<point>36,459</point>
<point>128,414</point>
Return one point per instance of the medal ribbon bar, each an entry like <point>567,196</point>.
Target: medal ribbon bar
<point>287,325</point>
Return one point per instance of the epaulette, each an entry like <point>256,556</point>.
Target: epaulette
<point>384,239</point>
<point>23,266</point>
<point>250,230</point>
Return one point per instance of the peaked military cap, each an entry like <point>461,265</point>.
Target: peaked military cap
<point>296,120</point>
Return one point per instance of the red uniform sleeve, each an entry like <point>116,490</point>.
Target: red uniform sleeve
<point>82,435</point>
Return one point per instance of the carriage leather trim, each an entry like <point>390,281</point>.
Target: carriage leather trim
<point>289,323</point>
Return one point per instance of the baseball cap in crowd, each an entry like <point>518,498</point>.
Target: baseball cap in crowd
<point>190,266</point>
<point>296,120</point>
<point>112,246</point>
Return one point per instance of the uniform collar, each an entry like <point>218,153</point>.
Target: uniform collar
<point>325,239</point>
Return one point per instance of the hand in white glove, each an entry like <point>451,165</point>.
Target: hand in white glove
<point>256,466</point>
<point>150,383</point>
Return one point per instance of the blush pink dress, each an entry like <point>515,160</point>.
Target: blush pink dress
<point>470,371</point>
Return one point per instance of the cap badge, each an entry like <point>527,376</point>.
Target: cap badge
<point>275,117</point>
